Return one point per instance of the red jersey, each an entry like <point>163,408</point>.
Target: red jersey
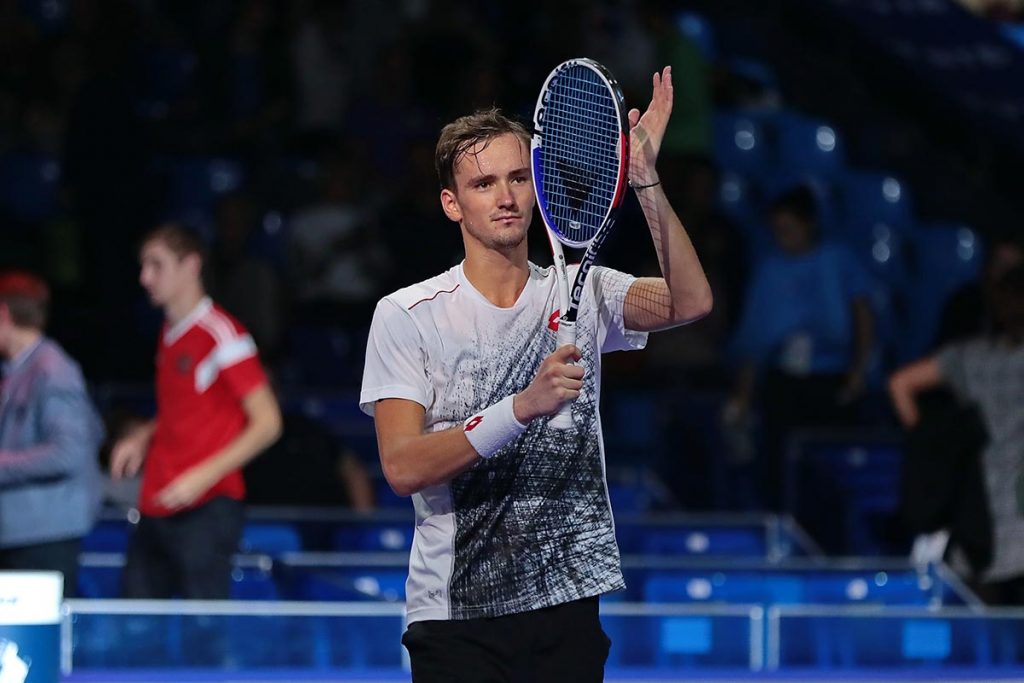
<point>205,366</point>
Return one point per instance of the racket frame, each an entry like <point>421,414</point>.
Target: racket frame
<point>569,298</point>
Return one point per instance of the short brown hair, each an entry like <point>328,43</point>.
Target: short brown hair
<point>26,297</point>
<point>465,133</point>
<point>180,239</point>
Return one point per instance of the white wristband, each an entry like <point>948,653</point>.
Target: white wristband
<point>492,428</point>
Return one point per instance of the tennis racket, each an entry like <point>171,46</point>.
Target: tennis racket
<point>579,160</point>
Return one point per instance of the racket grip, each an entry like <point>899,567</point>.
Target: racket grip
<point>566,335</point>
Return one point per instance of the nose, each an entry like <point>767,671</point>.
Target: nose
<point>506,198</point>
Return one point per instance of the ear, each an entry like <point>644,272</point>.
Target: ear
<point>194,263</point>
<point>450,204</point>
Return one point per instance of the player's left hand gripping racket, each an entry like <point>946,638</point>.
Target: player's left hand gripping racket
<point>580,156</point>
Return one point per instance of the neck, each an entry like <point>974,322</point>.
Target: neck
<point>499,276</point>
<point>21,338</point>
<point>182,305</point>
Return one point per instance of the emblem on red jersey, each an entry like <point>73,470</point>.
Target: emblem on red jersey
<point>183,363</point>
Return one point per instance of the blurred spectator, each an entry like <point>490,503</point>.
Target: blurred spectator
<point>696,350</point>
<point>336,257</point>
<point>215,412</point>
<point>321,69</point>
<point>805,336</point>
<point>307,466</point>
<point>989,372</point>
<point>967,311</point>
<point>50,434</point>
<point>246,285</point>
<point>689,132</point>
<point>1000,10</point>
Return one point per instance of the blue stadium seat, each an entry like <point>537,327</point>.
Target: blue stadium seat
<point>168,74</point>
<point>738,541</point>
<point>945,257</point>
<point>698,30</point>
<point>742,145</point>
<point>100,581</point>
<point>845,490</point>
<point>272,538</point>
<point>808,145</point>
<point>107,536</point>
<point>867,199</point>
<point>374,538</point>
<point>254,582</point>
<point>196,183</point>
<point>29,186</point>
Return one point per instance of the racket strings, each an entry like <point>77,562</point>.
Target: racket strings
<point>580,154</point>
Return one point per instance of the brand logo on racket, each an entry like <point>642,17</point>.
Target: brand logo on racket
<point>471,425</point>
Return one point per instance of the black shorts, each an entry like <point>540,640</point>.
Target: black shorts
<point>556,644</point>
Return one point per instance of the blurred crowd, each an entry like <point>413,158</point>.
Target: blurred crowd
<point>297,139</point>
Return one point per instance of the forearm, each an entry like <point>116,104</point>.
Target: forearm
<point>413,463</point>
<point>683,295</point>
<point>907,382</point>
<point>252,441</point>
<point>68,441</point>
<point>47,460</point>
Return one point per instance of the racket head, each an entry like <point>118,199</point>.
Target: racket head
<point>580,150</point>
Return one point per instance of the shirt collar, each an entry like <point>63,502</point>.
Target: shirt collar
<point>13,364</point>
<point>182,326</point>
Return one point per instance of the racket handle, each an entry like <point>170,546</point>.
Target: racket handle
<point>566,335</point>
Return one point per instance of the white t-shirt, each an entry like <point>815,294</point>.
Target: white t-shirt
<point>530,527</point>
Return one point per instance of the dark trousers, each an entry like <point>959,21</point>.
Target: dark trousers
<point>61,556</point>
<point>554,644</point>
<point>185,555</point>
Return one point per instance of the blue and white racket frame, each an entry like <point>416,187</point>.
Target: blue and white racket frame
<point>569,298</point>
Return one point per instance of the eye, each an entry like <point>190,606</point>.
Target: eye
<point>482,184</point>
<point>520,179</point>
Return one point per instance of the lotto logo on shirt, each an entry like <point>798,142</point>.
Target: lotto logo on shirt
<point>553,320</point>
<point>471,425</point>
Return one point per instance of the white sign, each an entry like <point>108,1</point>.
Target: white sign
<point>29,598</point>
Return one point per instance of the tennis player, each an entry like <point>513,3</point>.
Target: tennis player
<point>514,539</point>
<point>215,412</point>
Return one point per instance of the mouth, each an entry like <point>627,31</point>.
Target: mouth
<point>507,220</point>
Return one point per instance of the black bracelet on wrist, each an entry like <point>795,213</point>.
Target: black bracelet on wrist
<point>644,187</point>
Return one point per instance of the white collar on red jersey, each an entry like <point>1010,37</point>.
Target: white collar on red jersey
<point>182,326</point>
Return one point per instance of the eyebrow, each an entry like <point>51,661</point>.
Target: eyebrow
<point>523,170</point>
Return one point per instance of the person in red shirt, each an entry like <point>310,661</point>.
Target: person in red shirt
<point>215,412</point>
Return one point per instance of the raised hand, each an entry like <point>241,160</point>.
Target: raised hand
<point>648,130</point>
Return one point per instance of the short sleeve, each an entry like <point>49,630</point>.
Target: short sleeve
<point>395,359</point>
<point>236,364</point>
<point>610,288</point>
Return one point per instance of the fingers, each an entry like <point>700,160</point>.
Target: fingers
<point>634,117</point>
<point>567,354</point>
<point>119,461</point>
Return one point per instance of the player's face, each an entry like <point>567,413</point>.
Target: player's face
<point>165,275</point>
<point>493,197</point>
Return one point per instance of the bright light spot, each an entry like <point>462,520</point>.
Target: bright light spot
<point>698,589</point>
<point>826,139</point>
<point>891,189</point>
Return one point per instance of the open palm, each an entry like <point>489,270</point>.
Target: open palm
<point>648,130</point>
